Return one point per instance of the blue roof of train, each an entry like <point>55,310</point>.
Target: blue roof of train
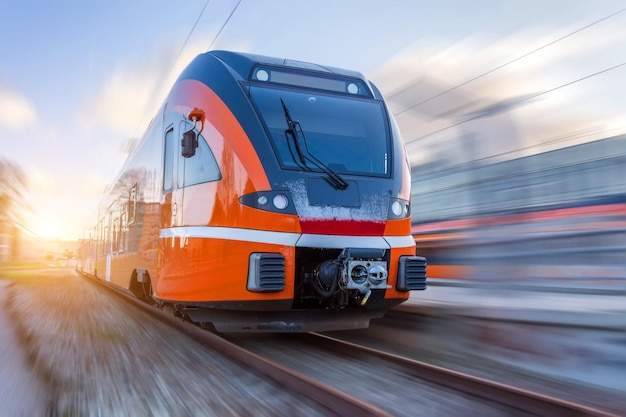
<point>242,62</point>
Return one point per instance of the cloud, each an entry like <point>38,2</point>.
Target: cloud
<point>131,95</point>
<point>541,85</point>
<point>521,62</point>
<point>121,102</point>
<point>16,111</point>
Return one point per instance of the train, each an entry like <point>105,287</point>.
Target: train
<point>555,219</point>
<point>267,194</point>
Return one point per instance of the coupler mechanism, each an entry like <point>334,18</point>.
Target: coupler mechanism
<point>355,271</point>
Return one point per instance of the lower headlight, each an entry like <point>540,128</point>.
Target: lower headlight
<point>399,209</point>
<point>278,201</point>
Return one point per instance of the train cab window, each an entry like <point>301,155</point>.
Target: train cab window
<point>349,134</point>
<point>168,160</point>
<point>200,168</point>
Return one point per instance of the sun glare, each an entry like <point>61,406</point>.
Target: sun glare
<point>46,227</point>
<point>50,226</point>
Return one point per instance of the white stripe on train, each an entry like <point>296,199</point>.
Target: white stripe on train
<point>288,239</point>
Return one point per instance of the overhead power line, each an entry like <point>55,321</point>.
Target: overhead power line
<point>530,97</point>
<point>159,84</point>
<point>510,62</point>
<point>182,48</point>
<point>224,25</point>
<point>180,52</point>
<point>193,28</point>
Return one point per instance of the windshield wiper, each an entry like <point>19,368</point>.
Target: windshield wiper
<point>304,155</point>
<point>292,130</point>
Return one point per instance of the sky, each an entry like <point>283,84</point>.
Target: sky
<point>80,80</point>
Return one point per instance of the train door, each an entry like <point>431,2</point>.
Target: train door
<point>171,263</point>
<point>179,167</point>
<point>171,201</point>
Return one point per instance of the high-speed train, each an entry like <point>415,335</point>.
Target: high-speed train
<point>266,195</point>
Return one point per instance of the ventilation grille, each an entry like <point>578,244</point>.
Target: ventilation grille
<point>412,273</point>
<point>267,272</point>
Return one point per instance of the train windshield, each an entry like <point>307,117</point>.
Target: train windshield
<point>347,134</point>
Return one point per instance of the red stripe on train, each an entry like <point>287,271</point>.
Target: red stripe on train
<point>342,227</point>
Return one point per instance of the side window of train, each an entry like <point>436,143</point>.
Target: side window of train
<point>101,237</point>
<point>202,167</point>
<point>132,204</point>
<point>168,160</point>
<point>116,235</point>
<point>122,231</point>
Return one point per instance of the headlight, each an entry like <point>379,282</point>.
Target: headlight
<point>277,201</point>
<point>396,208</point>
<point>280,201</point>
<point>399,209</point>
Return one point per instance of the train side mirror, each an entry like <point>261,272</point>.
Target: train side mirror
<point>189,143</point>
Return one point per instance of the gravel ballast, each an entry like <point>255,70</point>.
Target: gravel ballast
<point>101,357</point>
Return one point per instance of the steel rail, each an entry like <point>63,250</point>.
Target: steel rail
<point>521,399</point>
<point>329,398</point>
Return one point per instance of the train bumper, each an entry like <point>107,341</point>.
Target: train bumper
<point>296,321</point>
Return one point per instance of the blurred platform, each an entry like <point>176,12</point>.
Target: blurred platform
<point>573,335</point>
<point>539,304</point>
<point>21,392</point>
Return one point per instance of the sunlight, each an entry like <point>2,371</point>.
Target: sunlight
<point>46,226</point>
<point>54,225</point>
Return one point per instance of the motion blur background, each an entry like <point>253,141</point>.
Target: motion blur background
<point>513,114</point>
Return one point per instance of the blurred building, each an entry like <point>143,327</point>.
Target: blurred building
<point>556,217</point>
<point>18,243</point>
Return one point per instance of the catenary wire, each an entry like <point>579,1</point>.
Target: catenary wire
<point>193,28</point>
<point>159,84</point>
<point>522,100</point>
<point>224,25</point>
<point>182,48</point>
<point>509,62</point>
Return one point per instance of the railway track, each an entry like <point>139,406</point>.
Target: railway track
<point>403,386</point>
<point>526,401</point>
<point>329,398</point>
